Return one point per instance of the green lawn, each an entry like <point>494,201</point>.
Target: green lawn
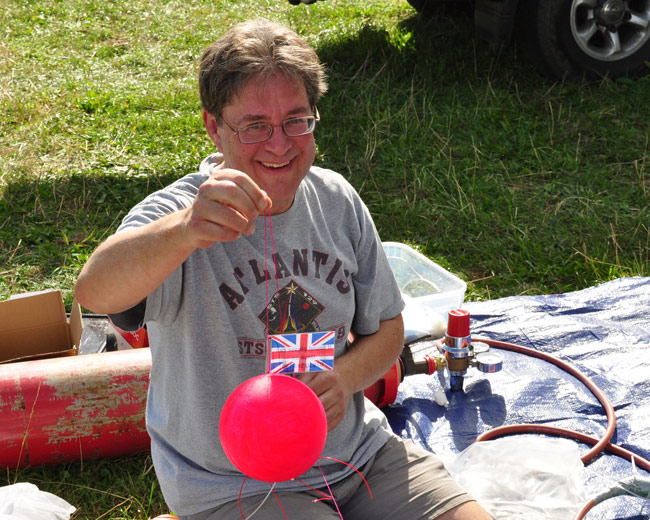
<point>517,184</point>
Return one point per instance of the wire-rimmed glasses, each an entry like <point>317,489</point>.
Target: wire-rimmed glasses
<point>260,132</point>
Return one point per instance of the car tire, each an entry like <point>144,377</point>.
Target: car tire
<point>592,38</point>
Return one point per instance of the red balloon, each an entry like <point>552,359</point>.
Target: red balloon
<point>273,427</point>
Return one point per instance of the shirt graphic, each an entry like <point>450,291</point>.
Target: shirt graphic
<point>291,310</point>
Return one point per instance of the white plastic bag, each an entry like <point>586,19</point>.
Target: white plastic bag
<point>523,477</point>
<point>24,501</point>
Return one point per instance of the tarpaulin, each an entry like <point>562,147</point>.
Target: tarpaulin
<point>604,331</point>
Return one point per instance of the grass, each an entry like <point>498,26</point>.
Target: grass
<point>518,184</point>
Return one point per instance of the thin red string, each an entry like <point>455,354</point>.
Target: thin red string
<point>241,489</point>
<point>280,503</point>
<point>266,298</point>
<point>266,287</point>
<point>330,490</point>
<point>275,261</point>
<point>283,321</point>
<point>355,469</point>
<point>325,495</point>
<point>268,369</point>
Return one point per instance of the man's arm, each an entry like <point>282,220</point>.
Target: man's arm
<point>130,265</point>
<point>368,359</point>
<point>127,267</point>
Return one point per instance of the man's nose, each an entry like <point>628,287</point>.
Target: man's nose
<point>279,143</point>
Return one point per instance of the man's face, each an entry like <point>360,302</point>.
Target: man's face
<point>281,163</point>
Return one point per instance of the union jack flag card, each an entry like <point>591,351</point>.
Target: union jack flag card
<point>304,352</point>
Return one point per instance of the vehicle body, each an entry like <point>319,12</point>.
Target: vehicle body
<point>569,38</point>
<point>565,38</point>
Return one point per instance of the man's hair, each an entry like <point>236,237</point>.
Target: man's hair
<point>257,49</point>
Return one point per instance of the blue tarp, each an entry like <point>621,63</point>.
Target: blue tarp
<point>604,331</point>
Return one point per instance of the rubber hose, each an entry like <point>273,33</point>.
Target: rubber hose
<point>599,445</point>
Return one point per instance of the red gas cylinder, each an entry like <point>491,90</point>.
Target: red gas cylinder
<point>384,391</point>
<point>71,408</point>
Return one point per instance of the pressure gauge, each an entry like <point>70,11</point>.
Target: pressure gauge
<point>480,347</point>
<point>488,362</point>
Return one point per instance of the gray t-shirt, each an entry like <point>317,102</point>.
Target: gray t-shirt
<point>207,329</point>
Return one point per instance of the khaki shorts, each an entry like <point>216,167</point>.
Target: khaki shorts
<point>407,482</point>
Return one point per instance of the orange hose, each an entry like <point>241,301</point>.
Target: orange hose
<point>599,445</point>
<point>584,510</point>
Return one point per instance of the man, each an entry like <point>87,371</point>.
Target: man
<point>261,242</point>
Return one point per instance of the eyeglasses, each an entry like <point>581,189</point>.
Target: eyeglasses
<point>260,132</point>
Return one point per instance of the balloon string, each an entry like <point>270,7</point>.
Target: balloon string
<point>283,321</point>
<point>275,261</point>
<point>266,298</point>
<point>330,490</point>
<point>279,503</point>
<point>241,489</point>
<point>325,496</point>
<point>272,490</point>
<point>266,287</point>
<point>349,466</point>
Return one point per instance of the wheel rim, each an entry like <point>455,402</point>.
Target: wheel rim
<point>610,30</point>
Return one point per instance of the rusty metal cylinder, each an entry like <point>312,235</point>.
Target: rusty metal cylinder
<point>73,408</point>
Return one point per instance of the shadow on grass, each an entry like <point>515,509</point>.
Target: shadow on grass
<point>454,145</point>
<point>52,223</point>
<point>438,50</point>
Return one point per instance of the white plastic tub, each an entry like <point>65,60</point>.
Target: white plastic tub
<point>429,291</point>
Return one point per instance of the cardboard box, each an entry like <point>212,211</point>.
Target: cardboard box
<point>34,326</point>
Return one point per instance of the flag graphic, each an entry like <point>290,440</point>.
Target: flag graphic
<point>305,352</point>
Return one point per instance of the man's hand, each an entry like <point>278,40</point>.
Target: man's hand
<point>128,266</point>
<point>332,391</point>
<point>225,207</point>
<point>368,358</point>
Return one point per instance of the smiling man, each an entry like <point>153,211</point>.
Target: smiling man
<point>197,263</point>
<point>277,161</point>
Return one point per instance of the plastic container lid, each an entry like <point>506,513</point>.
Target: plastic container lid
<point>429,290</point>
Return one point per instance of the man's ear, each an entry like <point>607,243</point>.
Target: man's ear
<point>211,126</point>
